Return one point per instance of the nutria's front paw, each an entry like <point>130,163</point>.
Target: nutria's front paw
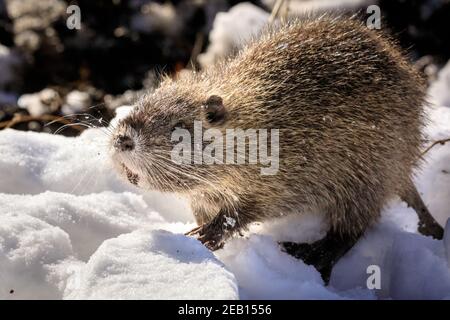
<point>207,235</point>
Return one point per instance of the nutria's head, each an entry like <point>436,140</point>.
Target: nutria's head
<point>142,143</point>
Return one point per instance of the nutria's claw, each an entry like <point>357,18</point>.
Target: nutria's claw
<point>207,236</point>
<point>194,232</point>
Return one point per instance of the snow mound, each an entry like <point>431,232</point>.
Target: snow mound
<point>154,265</point>
<point>412,266</point>
<point>33,163</point>
<point>231,30</point>
<point>28,247</point>
<point>86,222</point>
<point>264,272</point>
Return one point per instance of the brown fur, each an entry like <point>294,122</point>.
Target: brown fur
<point>349,108</point>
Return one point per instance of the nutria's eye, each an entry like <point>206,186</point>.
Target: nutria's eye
<point>214,109</point>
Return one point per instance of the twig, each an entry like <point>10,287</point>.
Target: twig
<point>441,142</point>
<point>275,10</point>
<point>19,118</point>
<point>197,49</point>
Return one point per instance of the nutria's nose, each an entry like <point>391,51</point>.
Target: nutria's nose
<point>124,143</point>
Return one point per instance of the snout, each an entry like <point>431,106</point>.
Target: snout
<point>123,143</point>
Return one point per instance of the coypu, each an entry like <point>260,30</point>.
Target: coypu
<point>349,110</point>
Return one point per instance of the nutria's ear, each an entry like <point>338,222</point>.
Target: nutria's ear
<point>214,109</point>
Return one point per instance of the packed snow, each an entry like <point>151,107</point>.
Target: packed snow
<point>71,229</point>
<point>179,268</point>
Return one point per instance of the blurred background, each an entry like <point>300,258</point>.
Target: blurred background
<point>49,69</point>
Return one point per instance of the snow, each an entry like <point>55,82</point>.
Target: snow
<point>40,103</point>
<point>180,268</point>
<point>412,266</point>
<point>263,271</point>
<point>76,101</point>
<point>85,222</point>
<point>71,229</point>
<point>440,89</point>
<point>231,30</point>
<point>28,246</point>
